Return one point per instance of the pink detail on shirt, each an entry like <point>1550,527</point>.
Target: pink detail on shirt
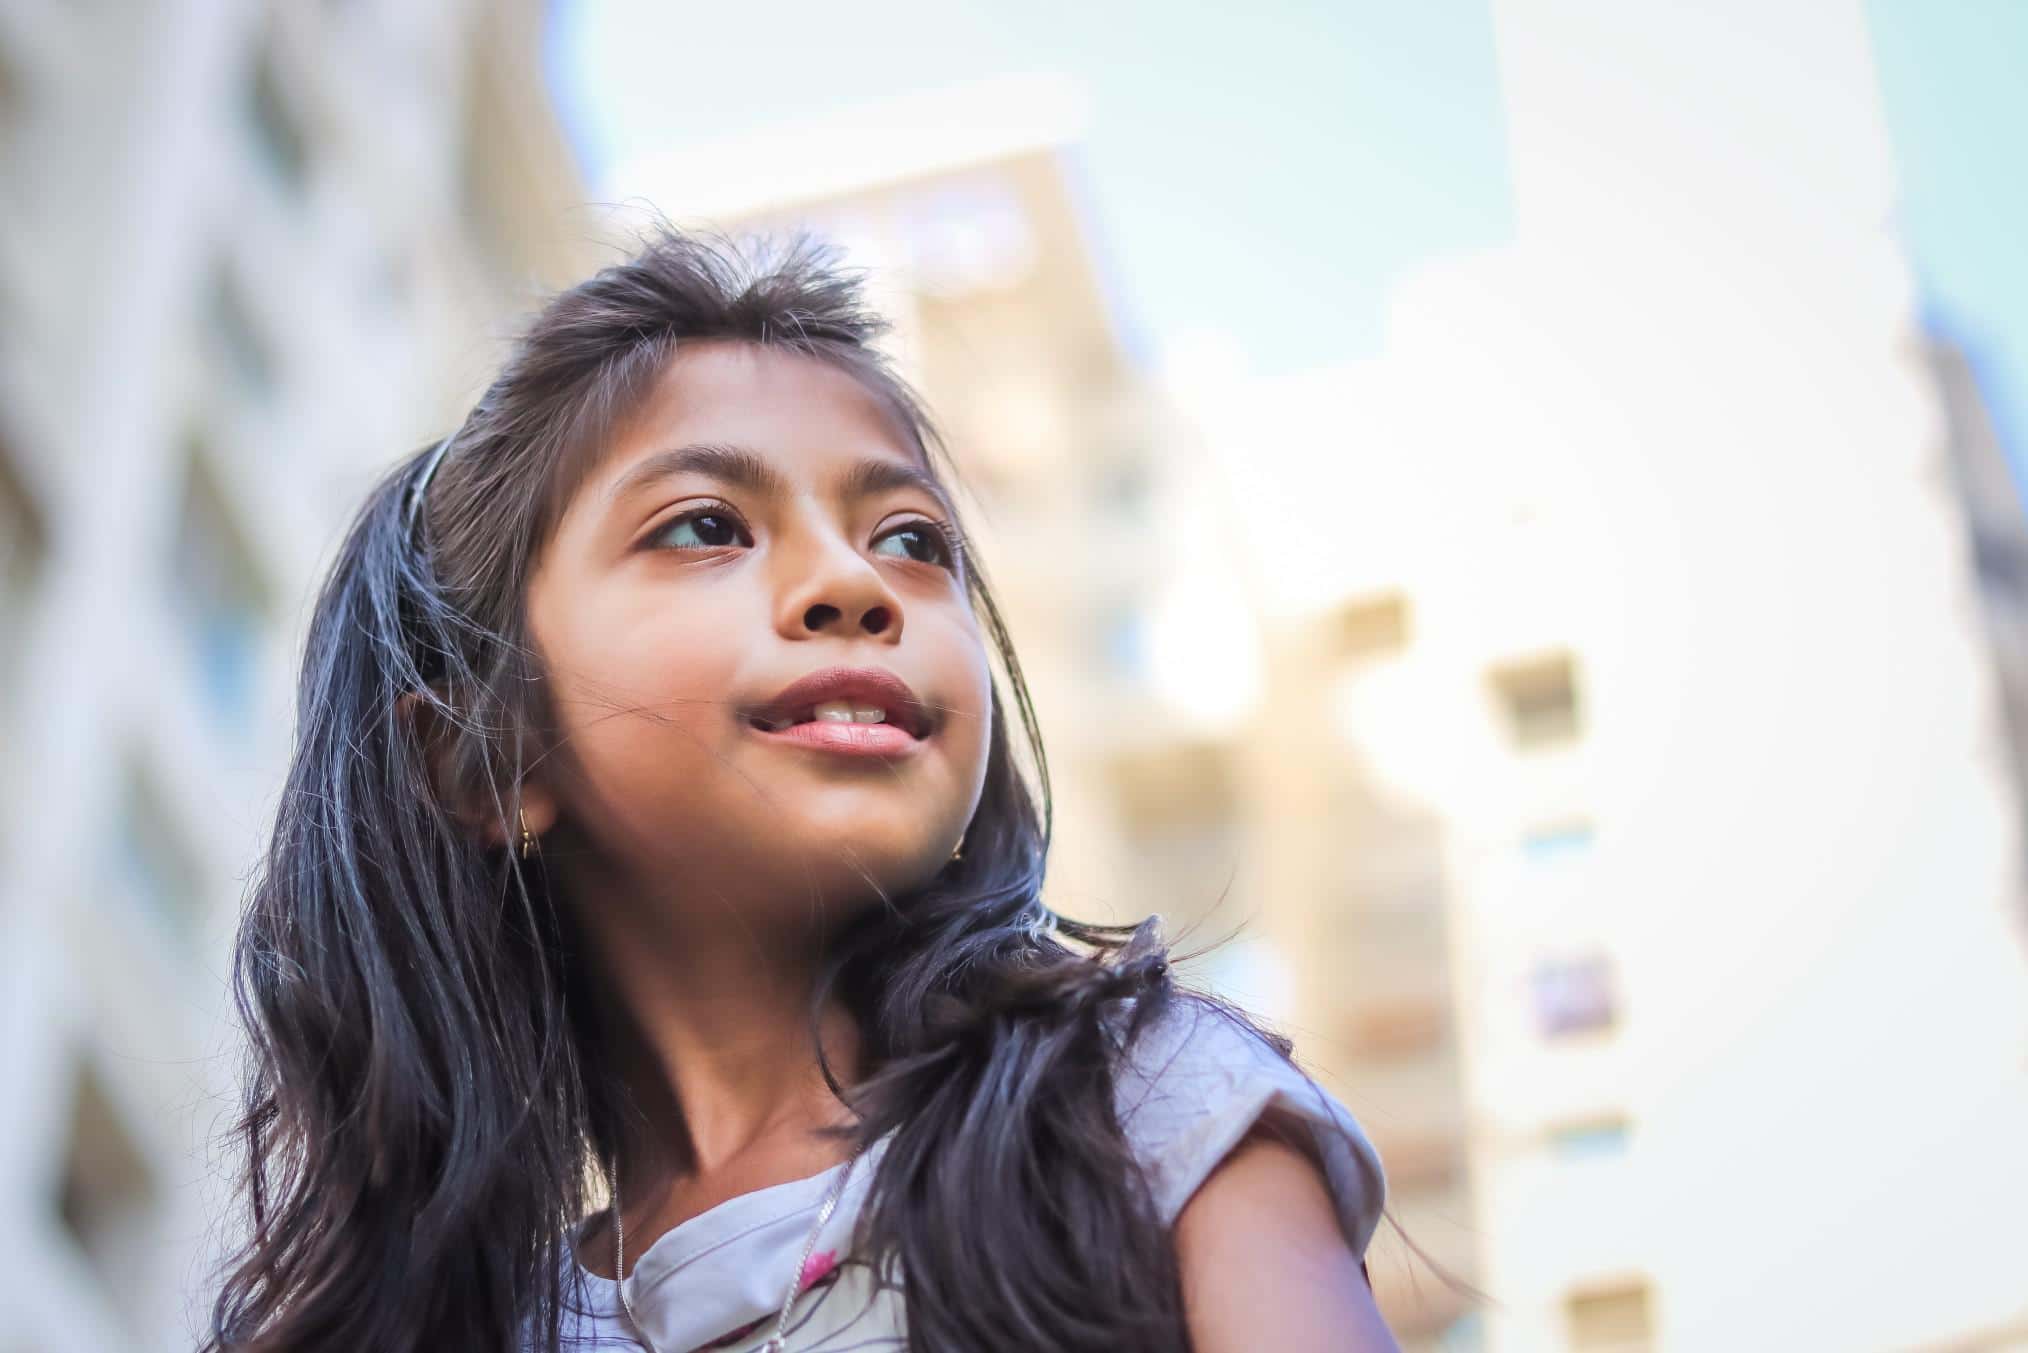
<point>820,1266</point>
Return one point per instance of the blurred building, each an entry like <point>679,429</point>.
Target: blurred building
<point>1643,685</point>
<point>248,254</point>
<point>1991,500</point>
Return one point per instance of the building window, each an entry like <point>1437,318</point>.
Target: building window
<point>2002,563</point>
<point>1251,972</point>
<point>390,281</point>
<point>1375,627</point>
<point>964,238</point>
<point>1123,637</point>
<point>1421,1162</point>
<point>16,110</point>
<point>1180,788</point>
<point>1598,1137</point>
<point>247,355</point>
<point>1573,994</point>
<point>13,103</point>
<point>278,135</point>
<point>1400,1029</point>
<point>219,590</point>
<point>1178,815</point>
<point>24,542</point>
<point>1126,487</point>
<point>1611,1318</point>
<point>106,1194</point>
<point>156,867</point>
<point>1466,1334</point>
<point>1540,701</point>
<point>1554,847</point>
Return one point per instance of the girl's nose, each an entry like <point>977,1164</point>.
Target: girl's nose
<point>838,591</point>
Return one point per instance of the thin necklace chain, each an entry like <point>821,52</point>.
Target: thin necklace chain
<point>778,1341</point>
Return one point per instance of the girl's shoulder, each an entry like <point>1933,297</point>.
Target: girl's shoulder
<point>1196,1080</point>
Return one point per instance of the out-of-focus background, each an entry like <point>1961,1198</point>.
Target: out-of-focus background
<point>1511,508</point>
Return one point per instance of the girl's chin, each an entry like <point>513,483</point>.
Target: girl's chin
<point>829,867</point>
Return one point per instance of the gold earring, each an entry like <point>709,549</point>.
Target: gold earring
<point>527,837</point>
<point>958,851</point>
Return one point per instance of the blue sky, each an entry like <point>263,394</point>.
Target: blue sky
<point>1207,134</point>
<point>1957,109</point>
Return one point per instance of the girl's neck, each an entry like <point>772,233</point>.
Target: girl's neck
<point>716,1048</point>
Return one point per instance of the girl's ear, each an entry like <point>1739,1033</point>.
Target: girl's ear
<point>472,811</point>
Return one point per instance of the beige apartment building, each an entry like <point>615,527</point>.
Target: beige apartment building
<point>1641,722</point>
<point>1591,723</point>
<point>248,255</point>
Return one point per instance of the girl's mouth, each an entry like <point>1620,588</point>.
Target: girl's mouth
<point>853,727</point>
<point>853,711</point>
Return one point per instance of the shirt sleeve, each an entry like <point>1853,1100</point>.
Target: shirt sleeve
<point>1196,1080</point>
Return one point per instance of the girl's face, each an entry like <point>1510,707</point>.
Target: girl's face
<point>761,520</point>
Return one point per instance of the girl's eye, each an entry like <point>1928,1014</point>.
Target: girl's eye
<point>706,530</point>
<point>922,541</point>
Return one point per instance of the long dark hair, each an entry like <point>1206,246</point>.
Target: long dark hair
<point>427,1109</point>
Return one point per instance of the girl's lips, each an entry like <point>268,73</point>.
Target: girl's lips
<point>883,740</point>
<point>861,686</point>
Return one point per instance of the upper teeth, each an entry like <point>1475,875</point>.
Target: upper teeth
<point>844,711</point>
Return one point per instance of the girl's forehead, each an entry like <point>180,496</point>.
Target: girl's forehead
<point>790,420</point>
<point>799,411</point>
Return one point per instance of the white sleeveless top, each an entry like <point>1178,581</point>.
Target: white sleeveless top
<point>1193,1085</point>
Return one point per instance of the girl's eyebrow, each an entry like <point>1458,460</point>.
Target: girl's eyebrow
<point>745,468</point>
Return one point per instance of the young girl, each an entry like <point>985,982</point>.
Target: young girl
<point>650,952</point>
